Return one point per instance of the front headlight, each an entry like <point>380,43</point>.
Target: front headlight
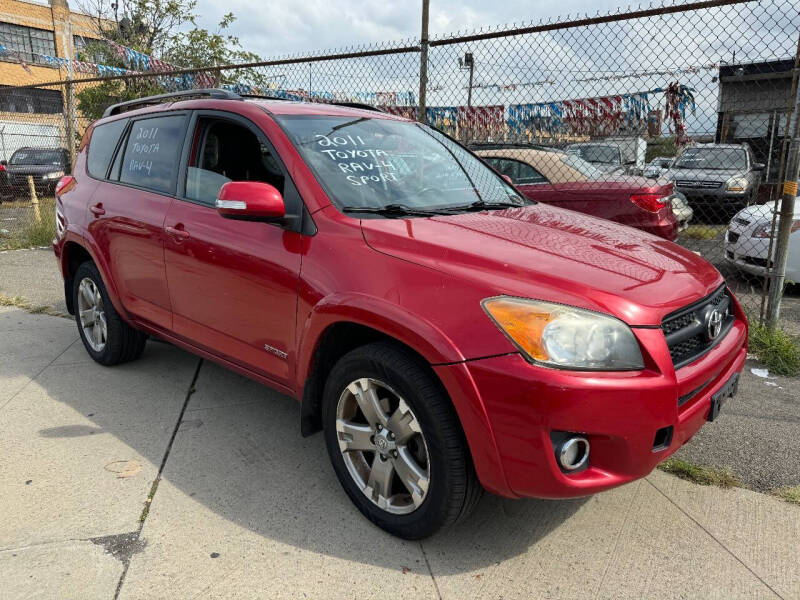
<point>765,230</point>
<point>565,337</point>
<point>737,185</point>
<point>53,175</point>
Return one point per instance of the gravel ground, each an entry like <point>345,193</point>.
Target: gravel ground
<point>755,437</point>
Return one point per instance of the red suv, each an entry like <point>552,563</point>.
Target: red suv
<point>447,334</point>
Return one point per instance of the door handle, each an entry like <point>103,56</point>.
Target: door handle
<point>97,209</point>
<point>181,234</point>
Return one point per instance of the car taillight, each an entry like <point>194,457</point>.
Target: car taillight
<point>65,184</point>
<point>2,168</point>
<point>650,202</point>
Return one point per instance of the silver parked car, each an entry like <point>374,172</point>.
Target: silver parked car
<point>717,179</point>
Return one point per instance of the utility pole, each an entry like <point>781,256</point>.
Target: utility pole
<point>777,275</point>
<point>468,62</point>
<point>423,62</point>
<point>785,222</point>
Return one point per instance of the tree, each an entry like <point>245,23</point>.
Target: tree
<point>156,28</point>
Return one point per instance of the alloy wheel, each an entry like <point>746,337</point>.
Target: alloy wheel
<point>92,315</point>
<point>383,446</point>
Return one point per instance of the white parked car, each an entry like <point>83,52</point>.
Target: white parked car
<point>747,241</point>
<point>682,211</point>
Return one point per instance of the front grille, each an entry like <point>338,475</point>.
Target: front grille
<point>706,185</point>
<point>686,330</point>
<point>733,237</point>
<point>758,262</point>
<point>742,222</point>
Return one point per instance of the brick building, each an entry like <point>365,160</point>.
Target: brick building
<point>36,116</point>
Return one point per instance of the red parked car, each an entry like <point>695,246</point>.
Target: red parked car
<point>446,333</point>
<point>567,180</point>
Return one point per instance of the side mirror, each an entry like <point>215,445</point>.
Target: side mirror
<point>758,166</point>
<point>508,179</point>
<point>250,201</point>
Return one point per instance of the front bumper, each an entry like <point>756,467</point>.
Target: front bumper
<point>619,413</point>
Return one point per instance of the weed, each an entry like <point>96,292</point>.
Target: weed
<point>775,348</point>
<point>698,474</point>
<point>789,494</point>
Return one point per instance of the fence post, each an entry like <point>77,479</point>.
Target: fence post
<point>70,114</point>
<point>34,199</point>
<point>423,63</point>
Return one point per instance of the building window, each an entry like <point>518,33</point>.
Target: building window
<point>27,42</point>
<point>88,49</point>
<point>30,100</point>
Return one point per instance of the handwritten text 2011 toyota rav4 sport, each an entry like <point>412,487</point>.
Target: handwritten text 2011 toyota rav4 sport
<point>445,333</point>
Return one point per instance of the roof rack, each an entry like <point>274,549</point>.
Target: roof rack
<point>345,103</point>
<point>213,93</point>
<point>360,105</point>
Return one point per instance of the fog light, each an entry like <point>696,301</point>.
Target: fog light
<point>573,453</point>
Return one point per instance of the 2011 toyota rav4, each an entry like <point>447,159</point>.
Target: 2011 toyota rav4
<point>447,334</point>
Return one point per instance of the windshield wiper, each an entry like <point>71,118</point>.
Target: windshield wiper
<point>392,210</point>
<point>483,205</point>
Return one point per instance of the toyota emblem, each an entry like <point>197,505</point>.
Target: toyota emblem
<point>714,324</point>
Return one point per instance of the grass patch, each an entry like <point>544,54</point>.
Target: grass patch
<point>789,494</point>
<point>775,348</point>
<point>703,232</point>
<point>31,232</point>
<point>701,475</point>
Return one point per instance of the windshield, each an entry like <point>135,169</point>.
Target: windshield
<point>583,167</point>
<point>374,163</point>
<point>609,155</point>
<point>36,157</point>
<point>712,158</point>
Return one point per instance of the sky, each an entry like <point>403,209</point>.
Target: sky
<point>573,63</point>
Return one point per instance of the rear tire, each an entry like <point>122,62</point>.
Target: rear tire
<point>107,338</point>
<point>425,477</point>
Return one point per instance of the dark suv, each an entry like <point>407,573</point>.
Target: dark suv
<point>447,334</point>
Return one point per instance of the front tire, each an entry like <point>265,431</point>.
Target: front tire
<point>107,338</point>
<point>396,443</point>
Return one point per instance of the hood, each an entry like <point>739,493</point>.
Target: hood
<point>552,254</point>
<point>763,212</point>
<point>704,174</point>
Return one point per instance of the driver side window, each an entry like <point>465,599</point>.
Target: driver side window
<point>224,151</point>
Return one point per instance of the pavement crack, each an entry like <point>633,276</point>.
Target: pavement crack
<point>132,538</point>
<point>715,538</point>
<point>430,571</point>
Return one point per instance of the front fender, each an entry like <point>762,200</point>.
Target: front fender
<point>428,341</point>
<point>379,314</point>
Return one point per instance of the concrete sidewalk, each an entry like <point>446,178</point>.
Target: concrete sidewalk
<point>245,507</point>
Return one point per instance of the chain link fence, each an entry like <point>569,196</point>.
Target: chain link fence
<point>675,120</point>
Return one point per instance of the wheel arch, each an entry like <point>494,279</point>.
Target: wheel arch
<point>73,254</point>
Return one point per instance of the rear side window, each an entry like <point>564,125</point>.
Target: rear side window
<point>153,153</point>
<point>101,147</point>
